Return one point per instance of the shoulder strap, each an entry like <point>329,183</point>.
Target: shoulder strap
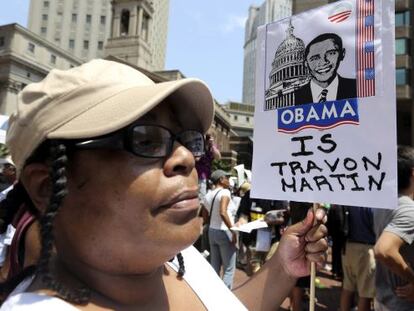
<point>212,206</point>
<point>24,222</point>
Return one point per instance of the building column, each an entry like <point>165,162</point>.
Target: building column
<point>149,29</point>
<point>140,20</point>
<point>133,22</point>
<point>116,24</point>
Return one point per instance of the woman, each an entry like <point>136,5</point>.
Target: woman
<point>222,239</point>
<point>107,158</point>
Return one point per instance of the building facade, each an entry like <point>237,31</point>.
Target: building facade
<point>139,32</point>
<point>26,57</point>
<point>404,35</point>
<point>241,118</point>
<point>269,11</point>
<point>134,30</point>
<point>78,26</point>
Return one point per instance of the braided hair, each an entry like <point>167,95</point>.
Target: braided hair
<point>58,177</point>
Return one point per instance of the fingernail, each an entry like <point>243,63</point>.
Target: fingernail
<point>320,214</point>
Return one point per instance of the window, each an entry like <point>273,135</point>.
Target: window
<point>1,41</point>
<point>45,4</point>
<point>402,76</point>
<point>43,30</point>
<point>235,118</point>
<point>88,18</point>
<point>71,44</point>
<point>103,20</point>
<point>31,47</point>
<point>86,44</point>
<point>44,17</point>
<point>100,45</point>
<point>402,18</point>
<point>53,59</point>
<point>74,18</point>
<point>124,22</point>
<point>247,119</point>
<point>401,46</point>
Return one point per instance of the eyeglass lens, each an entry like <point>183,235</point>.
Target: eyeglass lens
<point>156,141</point>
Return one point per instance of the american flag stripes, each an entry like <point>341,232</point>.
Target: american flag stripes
<point>340,17</point>
<point>365,48</point>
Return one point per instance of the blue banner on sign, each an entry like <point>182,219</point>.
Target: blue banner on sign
<point>318,115</point>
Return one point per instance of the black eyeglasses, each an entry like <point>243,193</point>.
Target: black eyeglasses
<point>149,141</point>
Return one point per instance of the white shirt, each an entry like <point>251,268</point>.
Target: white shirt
<point>216,222</point>
<point>331,88</point>
<point>199,275</point>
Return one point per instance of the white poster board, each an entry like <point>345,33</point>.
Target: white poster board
<point>4,124</point>
<point>325,115</point>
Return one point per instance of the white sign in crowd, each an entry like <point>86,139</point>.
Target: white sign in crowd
<point>325,115</point>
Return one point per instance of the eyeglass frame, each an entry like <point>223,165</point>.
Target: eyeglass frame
<point>118,140</point>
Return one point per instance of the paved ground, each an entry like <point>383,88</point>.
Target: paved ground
<point>327,292</point>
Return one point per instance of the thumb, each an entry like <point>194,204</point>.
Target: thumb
<point>301,228</point>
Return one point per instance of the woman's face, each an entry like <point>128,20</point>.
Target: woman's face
<point>126,214</point>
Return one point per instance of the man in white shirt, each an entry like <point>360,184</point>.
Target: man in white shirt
<point>323,56</point>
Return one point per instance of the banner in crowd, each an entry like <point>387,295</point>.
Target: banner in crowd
<point>325,114</point>
<point>4,123</point>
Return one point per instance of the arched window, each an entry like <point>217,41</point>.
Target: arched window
<point>124,22</point>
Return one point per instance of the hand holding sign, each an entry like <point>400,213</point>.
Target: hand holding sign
<point>303,243</point>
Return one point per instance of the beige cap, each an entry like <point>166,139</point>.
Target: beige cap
<point>97,98</point>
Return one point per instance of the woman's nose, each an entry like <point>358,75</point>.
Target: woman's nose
<point>180,162</point>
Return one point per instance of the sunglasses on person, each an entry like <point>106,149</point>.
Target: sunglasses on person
<point>148,141</point>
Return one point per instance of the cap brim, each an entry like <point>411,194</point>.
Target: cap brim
<point>191,97</point>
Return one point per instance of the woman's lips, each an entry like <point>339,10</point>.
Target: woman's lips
<point>187,204</point>
<point>184,201</point>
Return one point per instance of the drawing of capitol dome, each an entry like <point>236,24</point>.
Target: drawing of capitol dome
<point>288,72</point>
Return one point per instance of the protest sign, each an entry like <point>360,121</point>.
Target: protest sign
<point>4,123</point>
<point>325,114</point>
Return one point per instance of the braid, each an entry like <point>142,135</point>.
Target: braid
<point>59,191</point>
<point>181,269</point>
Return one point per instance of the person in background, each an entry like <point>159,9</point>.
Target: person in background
<point>8,176</point>
<point>335,226</point>
<point>394,249</point>
<point>259,209</point>
<point>223,241</point>
<point>358,262</point>
<point>203,164</point>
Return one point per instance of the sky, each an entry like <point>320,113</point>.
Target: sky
<point>205,40</point>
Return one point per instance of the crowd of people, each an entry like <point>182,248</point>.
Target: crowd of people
<point>104,205</point>
<point>110,183</point>
<point>371,249</point>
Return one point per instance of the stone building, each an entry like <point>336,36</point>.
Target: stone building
<point>134,30</point>
<point>139,32</point>
<point>26,57</point>
<point>269,11</point>
<point>78,26</point>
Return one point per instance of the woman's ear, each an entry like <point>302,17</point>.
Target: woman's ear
<point>35,179</point>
